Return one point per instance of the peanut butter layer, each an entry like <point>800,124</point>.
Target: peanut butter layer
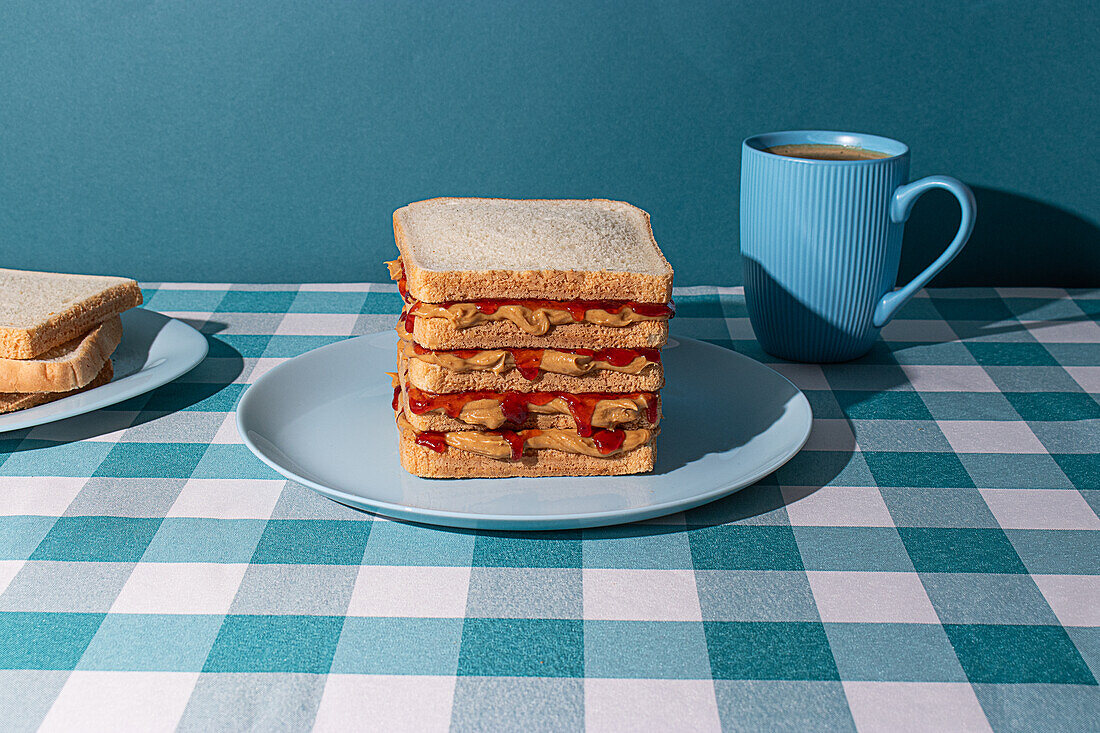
<point>501,361</point>
<point>535,321</point>
<point>610,413</point>
<point>607,413</point>
<point>567,441</point>
<point>440,334</point>
<point>397,269</point>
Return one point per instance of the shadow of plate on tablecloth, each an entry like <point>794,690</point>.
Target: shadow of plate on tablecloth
<point>214,374</point>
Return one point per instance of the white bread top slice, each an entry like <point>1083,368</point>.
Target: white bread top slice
<point>70,366</point>
<point>456,249</point>
<point>41,310</point>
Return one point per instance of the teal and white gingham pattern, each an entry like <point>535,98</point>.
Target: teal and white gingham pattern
<point>932,557</point>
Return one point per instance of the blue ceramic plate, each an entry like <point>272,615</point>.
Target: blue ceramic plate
<point>155,349</point>
<point>324,419</point>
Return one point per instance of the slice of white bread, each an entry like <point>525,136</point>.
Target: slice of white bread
<point>435,378</point>
<point>461,249</point>
<point>457,463</point>
<point>12,401</point>
<point>70,366</point>
<point>440,333</point>
<point>41,310</point>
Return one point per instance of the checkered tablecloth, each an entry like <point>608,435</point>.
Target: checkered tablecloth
<point>931,559</point>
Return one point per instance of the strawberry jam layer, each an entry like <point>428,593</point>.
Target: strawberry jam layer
<point>516,441</point>
<point>578,310</point>
<point>609,441</point>
<point>405,323</point>
<point>517,406</point>
<point>432,439</point>
<point>575,308</point>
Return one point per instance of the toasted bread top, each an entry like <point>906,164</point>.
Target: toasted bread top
<point>41,310</point>
<point>456,249</point>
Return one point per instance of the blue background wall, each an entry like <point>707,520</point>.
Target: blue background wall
<point>271,140</point>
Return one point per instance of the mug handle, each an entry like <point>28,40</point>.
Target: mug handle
<point>900,206</point>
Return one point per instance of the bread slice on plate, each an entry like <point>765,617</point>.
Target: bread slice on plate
<point>70,366</point>
<point>41,310</point>
<point>12,401</point>
<point>460,249</point>
<point>435,378</point>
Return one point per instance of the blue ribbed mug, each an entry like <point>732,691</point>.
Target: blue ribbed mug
<point>821,242</point>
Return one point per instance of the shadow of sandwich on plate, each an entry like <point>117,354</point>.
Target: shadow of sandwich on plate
<point>57,334</point>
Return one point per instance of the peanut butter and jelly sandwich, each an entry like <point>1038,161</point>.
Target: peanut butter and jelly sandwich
<point>530,337</point>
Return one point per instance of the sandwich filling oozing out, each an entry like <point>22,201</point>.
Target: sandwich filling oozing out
<point>495,409</point>
<point>535,316</point>
<point>529,362</point>
<point>509,444</point>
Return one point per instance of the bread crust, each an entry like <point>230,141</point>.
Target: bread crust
<point>432,286</point>
<point>12,401</point>
<point>66,367</point>
<point>439,333</point>
<point>457,463</point>
<point>64,326</point>
<point>435,378</point>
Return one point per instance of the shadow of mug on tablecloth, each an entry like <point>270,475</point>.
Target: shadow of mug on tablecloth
<point>1020,241</point>
<point>822,216</point>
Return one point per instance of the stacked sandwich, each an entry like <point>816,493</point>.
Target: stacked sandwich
<point>57,333</point>
<point>530,337</point>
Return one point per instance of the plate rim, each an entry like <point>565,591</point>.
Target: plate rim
<point>514,522</point>
<point>172,370</point>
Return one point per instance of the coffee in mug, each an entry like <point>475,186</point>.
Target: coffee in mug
<point>812,151</point>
